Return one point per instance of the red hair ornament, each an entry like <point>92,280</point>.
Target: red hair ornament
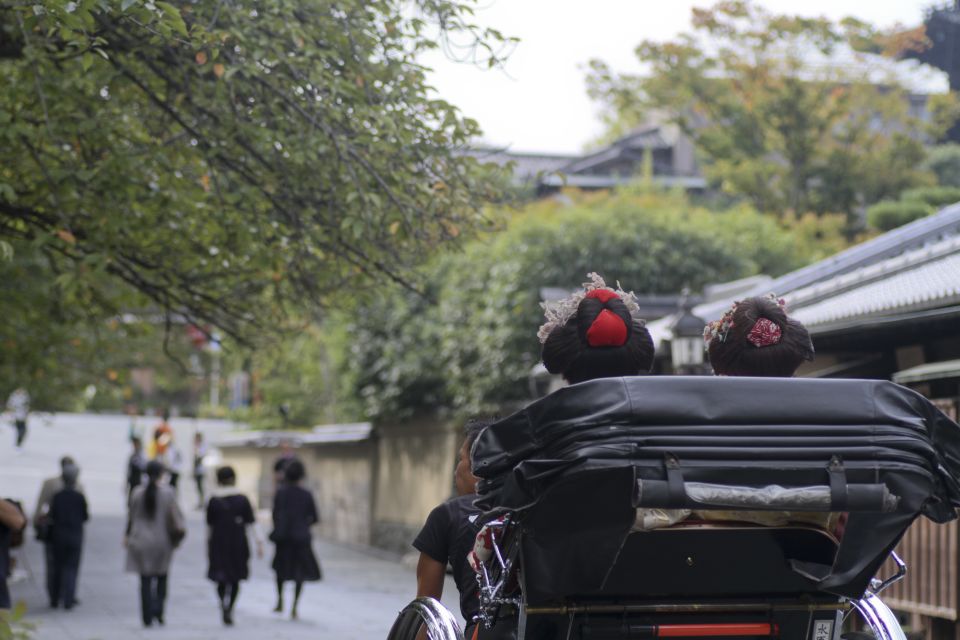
<point>765,332</point>
<point>608,330</point>
<point>603,295</point>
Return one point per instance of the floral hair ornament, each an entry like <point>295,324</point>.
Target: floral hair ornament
<point>558,312</point>
<point>718,329</point>
<point>764,332</point>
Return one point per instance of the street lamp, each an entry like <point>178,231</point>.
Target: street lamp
<point>686,346</point>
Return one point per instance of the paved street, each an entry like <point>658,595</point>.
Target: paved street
<point>361,592</point>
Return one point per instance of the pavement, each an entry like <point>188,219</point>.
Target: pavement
<point>361,593</point>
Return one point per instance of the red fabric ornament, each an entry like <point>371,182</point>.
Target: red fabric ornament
<point>608,330</point>
<point>764,333</point>
<point>603,295</point>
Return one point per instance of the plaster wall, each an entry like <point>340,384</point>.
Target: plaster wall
<point>415,464</point>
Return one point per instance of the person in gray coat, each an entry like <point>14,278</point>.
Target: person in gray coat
<point>155,527</point>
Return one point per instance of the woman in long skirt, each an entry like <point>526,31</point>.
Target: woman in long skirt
<point>228,515</point>
<point>294,512</point>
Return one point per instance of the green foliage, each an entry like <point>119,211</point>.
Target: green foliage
<point>12,623</point>
<point>891,214</point>
<point>298,372</point>
<point>913,204</point>
<point>234,166</point>
<point>944,161</point>
<point>815,237</point>
<point>469,346</point>
<point>936,197</point>
<point>772,118</point>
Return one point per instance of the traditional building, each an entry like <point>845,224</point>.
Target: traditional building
<point>671,156</point>
<point>888,308</point>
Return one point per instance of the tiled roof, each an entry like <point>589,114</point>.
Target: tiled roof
<point>917,234</point>
<point>914,267</point>
<point>319,435</point>
<point>921,279</point>
<point>526,166</point>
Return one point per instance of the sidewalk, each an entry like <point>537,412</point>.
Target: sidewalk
<point>359,597</point>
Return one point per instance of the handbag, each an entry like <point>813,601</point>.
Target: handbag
<point>43,528</point>
<point>175,528</point>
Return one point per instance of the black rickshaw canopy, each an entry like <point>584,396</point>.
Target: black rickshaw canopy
<point>573,467</point>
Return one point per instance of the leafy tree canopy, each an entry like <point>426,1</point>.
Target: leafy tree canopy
<point>471,348</point>
<point>944,161</point>
<point>781,108</point>
<point>226,163</point>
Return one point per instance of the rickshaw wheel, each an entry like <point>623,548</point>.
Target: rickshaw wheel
<point>425,612</point>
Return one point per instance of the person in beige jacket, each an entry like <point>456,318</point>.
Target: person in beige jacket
<point>155,527</point>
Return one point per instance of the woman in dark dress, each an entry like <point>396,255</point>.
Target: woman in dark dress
<point>294,511</point>
<point>228,515</point>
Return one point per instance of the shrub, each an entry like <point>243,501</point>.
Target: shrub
<point>944,161</point>
<point>891,214</point>
<point>934,196</point>
<point>469,344</point>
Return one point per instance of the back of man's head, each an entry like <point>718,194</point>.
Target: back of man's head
<point>70,474</point>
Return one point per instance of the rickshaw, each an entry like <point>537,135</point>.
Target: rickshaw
<point>568,481</point>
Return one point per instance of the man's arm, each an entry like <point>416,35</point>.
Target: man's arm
<point>10,516</point>
<point>430,576</point>
<point>43,502</point>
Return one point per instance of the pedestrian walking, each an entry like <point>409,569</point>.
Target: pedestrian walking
<point>155,527</point>
<point>162,435</point>
<point>19,405</point>
<point>280,464</point>
<point>199,453</point>
<point>136,467</point>
<point>42,525</point>
<point>229,514</point>
<point>134,430</point>
<point>173,461</point>
<point>68,513</point>
<point>294,512</point>
<point>11,522</point>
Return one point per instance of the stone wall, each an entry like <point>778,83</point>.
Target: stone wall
<point>344,485</point>
<point>340,476</point>
<point>414,473</point>
<point>374,492</point>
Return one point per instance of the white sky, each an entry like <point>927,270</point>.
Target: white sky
<point>538,101</point>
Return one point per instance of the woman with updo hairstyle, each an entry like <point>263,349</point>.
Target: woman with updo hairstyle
<point>595,333</point>
<point>756,337</point>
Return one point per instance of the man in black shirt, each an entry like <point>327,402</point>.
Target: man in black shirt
<point>68,513</point>
<point>448,536</point>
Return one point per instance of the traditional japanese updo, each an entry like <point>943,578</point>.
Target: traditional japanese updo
<point>595,333</point>
<point>755,337</point>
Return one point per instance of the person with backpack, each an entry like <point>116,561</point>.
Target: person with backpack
<point>12,522</point>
